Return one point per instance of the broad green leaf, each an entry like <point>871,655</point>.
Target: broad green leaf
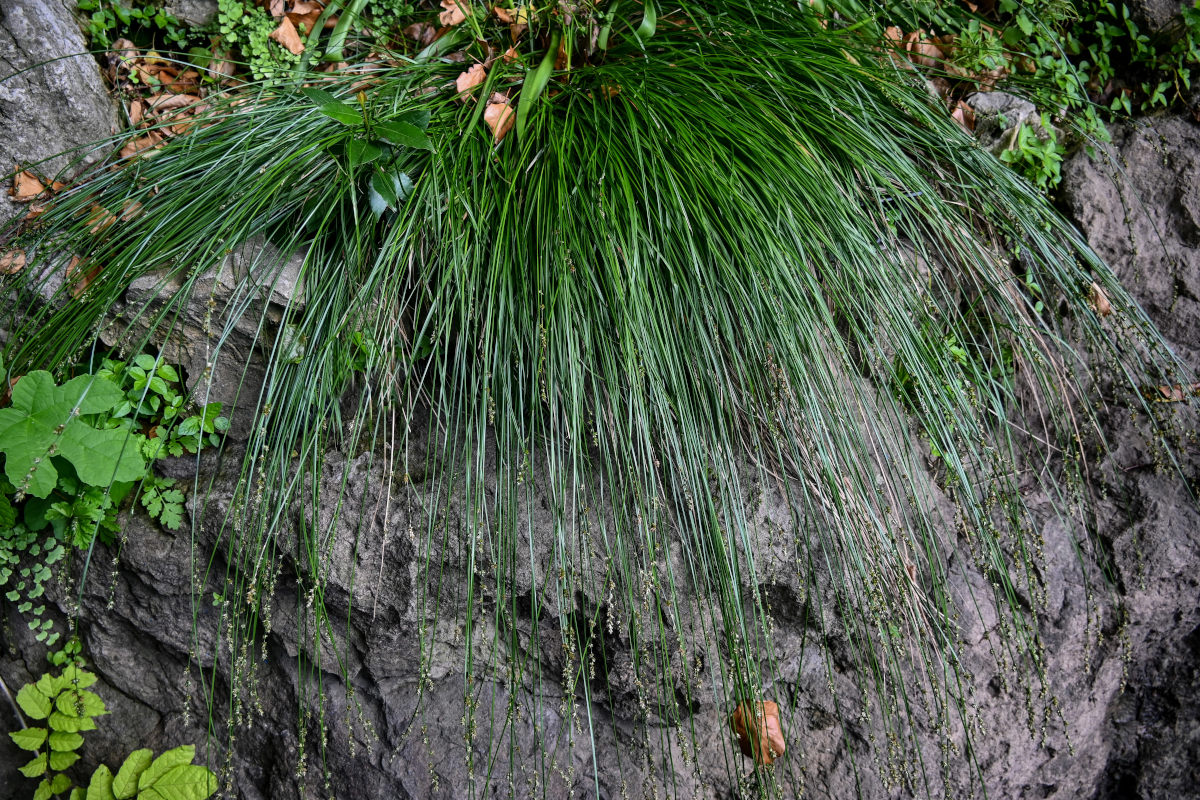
<point>183,782</point>
<point>78,678</point>
<point>101,786</point>
<point>64,740</point>
<point>51,685</point>
<point>60,783</point>
<point>331,107</point>
<point>43,791</point>
<point>80,703</point>
<point>35,767</point>
<point>168,760</point>
<point>43,416</point>
<point>33,702</point>
<point>378,204</point>
<point>359,152</point>
<point>381,182</point>
<point>419,118</point>
<point>78,793</point>
<point>71,724</point>
<point>29,739</point>
<point>404,134</point>
<point>60,761</point>
<point>125,783</point>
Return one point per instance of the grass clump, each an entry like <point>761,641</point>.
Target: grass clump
<point>725,253</point>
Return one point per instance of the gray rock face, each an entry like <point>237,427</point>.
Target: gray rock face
<point>52,99</point>
<point>192,12</point>
<point>1156,15</point>
<point>1139,211</point>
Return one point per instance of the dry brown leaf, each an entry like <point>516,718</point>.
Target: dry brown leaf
<point>762,719</point>
<point>130,209</point>
<point>468,80</point>
<point>306,15</point>
<point>964,115</point>
<point>421,32</point>
<point>12,261</point>
<point>26,186</point>
<point>1099,301</point>
<point>287,36</point>
<point>504,15</point>
<point>510,55</point>
<point>1176,393</point>
<point>455,13</point>
<point>99,219</point>
<point>35,211</point>
<point>499,116</point>
<point>276,7</point>
<point>137,110</point>
<point>168,102</point>
<point>894,35</point>
<point>141,144</point>
<point>80,279</point>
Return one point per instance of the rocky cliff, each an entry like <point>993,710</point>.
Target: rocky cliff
<point>381,717</point>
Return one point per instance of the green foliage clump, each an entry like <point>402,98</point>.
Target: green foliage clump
<point>72,453</point>
<point>69,709</point>
<point>244,24</point>
<point>680,279</point>
<point>146,23</point>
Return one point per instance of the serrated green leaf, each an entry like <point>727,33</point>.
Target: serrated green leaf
<point>33,702</point>
<point>43,415</point>
<point>125,783</point>
<point>60,783</point>
<point>30,739</point>
<point>80,703</point>
<point>64,741</point>
<point>60,761</point>
<point>101,785</point>
<point>61,722</point>
<point>35,767</point>
<point>404,134</point>
<point>182,782</point>
<point>43,791</point>
<point>160,765</point>
<point>172,516</point>
<point>78,678</point>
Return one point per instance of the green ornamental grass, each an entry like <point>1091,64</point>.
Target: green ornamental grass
<point>735,261</point>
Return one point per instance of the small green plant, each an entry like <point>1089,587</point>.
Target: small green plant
<point>73,453</point>
<point>146,24</point>
<point>1037,154</point>
<point>248,27</point>
<point>68,709</point>
<point>374,145</point>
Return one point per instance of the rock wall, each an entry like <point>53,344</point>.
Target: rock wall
<point>1129,697</point>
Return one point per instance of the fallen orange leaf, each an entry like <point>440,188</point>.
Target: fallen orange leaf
<point>499,116</point>
<point>766,744</point>
<point>455,13</point>
<point>1099,301</point>
<point>81,280</point>
<point>25,187</point>
<point>421,32</point>
<point>287,36</point>
<point>504,15</point>
<point>468,80</point>
<point>12,261</point>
